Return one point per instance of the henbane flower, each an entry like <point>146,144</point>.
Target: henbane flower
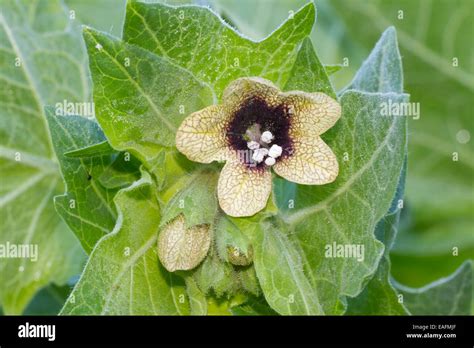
<point>255,128</point>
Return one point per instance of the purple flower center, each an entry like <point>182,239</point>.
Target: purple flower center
<point>253,117</point>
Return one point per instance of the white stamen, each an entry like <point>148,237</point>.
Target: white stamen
<point>275,151</point>
<point>269,161</point>
<point>253,145</point>
<point>259,154</point>
<point>264,151</point>
<point>257,157</point>
<point>266,137</point>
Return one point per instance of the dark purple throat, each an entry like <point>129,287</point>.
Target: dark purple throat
<point>254,115</point>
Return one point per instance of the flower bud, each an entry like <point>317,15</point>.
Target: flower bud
<point>181,248</point>
<point>238,258</point>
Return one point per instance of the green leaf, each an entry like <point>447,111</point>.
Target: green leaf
<point>39,50</point>
<point>308,74</point>
<point>140,98</point>
<point>86,206</point>
<point>333,40</point>
<point>99,149</point>
<point>382,71</point>
<point>248,279</point>
<point>194,197</point>
<point>332,69</point>
<point>379,297</point>
<point>197,299</point>
<point>280,268</point>
<point>123,171</point>
<point>448,296</point>
<point>123,275</point>
<point>347,210</point>
<point>216,276</point>
<point>229,238</point>
<point>198,40</point>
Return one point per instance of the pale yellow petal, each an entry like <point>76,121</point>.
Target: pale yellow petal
<point>246,87</point>
<point>201,136</point>
<point>243,191</point>
<point>311,113</point>
<point>181,248</point>
<point>312,162</point>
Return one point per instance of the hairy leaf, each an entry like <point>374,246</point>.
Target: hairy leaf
<point>379,297</point>
<point>123,274</point>
<point>194,197</point>
<point>216,276</point>
<point>140,98</point>
<point>308,72</point>
<point>198,40</point>
<point>382,71</point>
<point>123,171</point>
<point>231,241</point>
<point>86,206</point>
<point>280,267</point>
<point>197,299</point>
<point>447,296</point>
<point>99,149</point>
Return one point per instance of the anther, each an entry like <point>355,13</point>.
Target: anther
<point>266,137</point>
<point>275,151</point>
